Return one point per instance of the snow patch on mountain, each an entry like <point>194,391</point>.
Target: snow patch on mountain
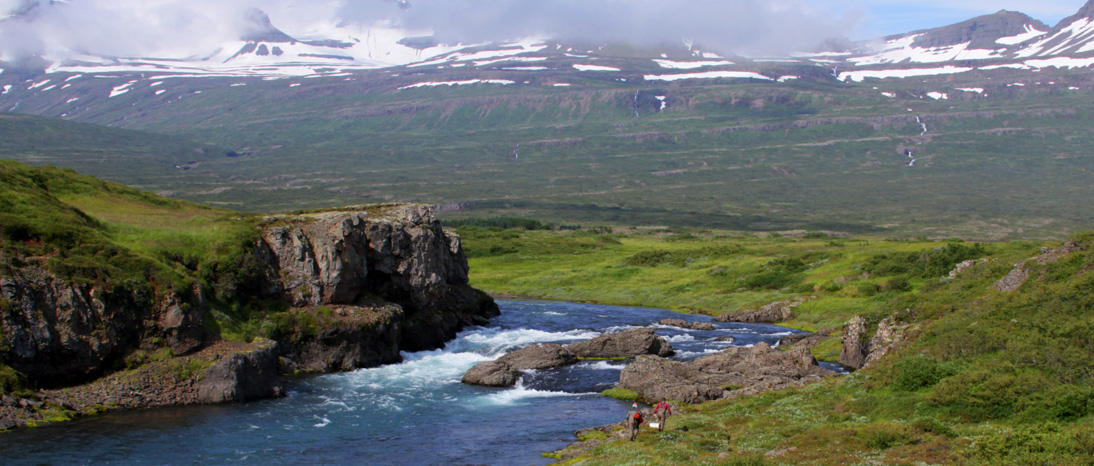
<point>1031,33</point>
<point>707,75</point>
<point>459,83</point>
<point>580,67</point>
<point>859,75</point>
<point>689,65</point>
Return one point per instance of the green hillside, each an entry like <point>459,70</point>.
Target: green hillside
<point>983,377</point>
<point>1004,163</point>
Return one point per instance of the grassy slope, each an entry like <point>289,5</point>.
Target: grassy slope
<point>91,231</point>
<point>989,378</point>
<point>726,154</point>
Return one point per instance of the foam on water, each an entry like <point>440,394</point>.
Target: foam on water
<point>600,366</point>
<point>497,342</point>
<point>520,393</point>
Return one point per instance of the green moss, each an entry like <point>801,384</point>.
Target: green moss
<point>620,394</point>
<point>11,380</point>
<point>592,435</point>
<point>554,456</point>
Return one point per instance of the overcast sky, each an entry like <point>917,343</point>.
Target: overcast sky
<point>183,27</point>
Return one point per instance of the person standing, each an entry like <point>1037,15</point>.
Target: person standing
<point>634,420</point>
<point>661,412</point>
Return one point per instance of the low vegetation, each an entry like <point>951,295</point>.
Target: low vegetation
<point>987,378</point>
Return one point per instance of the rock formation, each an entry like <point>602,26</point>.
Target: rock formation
<point>732,372</point>
<point>1019,274</point>
<point>775,312</point>
<point>858,353</point>
<point>625,344</point>
<point>504,371</point>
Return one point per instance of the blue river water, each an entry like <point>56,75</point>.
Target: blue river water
<point>413,413</point>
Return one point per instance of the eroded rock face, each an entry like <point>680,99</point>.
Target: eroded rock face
<point>504,371</point>
<point>352,338</point>
<point>734,371</point>
<point>858,353</point>
<point>855,348</point>
<point>59,333</point>
<point>625,344</point>
<point>402,256</point>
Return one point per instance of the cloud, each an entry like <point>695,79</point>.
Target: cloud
<point>181,28</point>
<point>729,26</point>
<point>185,28</point>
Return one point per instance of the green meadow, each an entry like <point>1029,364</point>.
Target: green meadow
<point>984,378</point>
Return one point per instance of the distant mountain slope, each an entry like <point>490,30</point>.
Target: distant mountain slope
<point>136,157</point>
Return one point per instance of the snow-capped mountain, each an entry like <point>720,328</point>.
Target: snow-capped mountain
<point>1004,40</point>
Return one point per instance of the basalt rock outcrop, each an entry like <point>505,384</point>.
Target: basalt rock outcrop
<point>732,372</point>
<point>504,371</point>
<point>400,255</point>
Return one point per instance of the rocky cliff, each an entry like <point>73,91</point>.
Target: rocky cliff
<point>360,286</point>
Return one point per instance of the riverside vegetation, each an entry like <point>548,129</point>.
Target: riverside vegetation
<point>985,377</point>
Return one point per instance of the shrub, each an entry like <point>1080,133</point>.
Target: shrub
<point>884,437</point>
<point>920,372</point>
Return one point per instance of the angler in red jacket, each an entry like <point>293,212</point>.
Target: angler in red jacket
<point>661,412</point>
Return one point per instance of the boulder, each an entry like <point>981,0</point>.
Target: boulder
<point>504,371</point>
<point>685,324</point>
<point>243,376</point>
<point>736,370</point>
<point>625,344</point>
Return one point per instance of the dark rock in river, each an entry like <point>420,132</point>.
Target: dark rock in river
<point>685,324</point>
<point>734,371</point>
<point>625,344</point>
<point>504,371</point>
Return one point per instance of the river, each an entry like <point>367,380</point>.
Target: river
<point>413,413</point>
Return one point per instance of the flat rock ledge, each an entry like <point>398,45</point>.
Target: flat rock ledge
<point>625,344</point>
<point>688,325</point>
<point>505,371</point>
<point>733,372</point>
<point>225,372</point>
